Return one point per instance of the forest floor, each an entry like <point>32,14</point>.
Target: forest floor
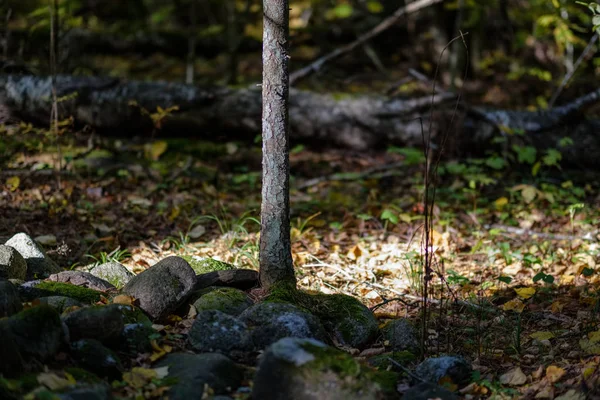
<point>515,283</point>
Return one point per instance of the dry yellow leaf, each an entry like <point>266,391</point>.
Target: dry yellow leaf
<point>556,307</point>
<point>515,305</point>
<point>501,202</point>
<point>514,377</point>
<point>542,335</point>
<point>138,377</point>
<point>123,299</point>
<point>525,293</point>
<point>354,253</point>
<point>55,382</point>
<point>554,373</point>
<point>594,336</point>
<point>13,183</point>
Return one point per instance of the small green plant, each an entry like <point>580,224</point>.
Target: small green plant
<point>414,270</point>
<point>572,210</point>
<point>117,255</point>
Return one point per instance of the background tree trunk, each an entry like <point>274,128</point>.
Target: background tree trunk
<point>275,247</point>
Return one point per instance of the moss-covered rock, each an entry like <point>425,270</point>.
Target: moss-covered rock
<point>37,332</point>
<point>344,316</point>
<point>270,322</point>
<point>225,299</point>
<point>306,369</point>
<point>34,289</point>
<point>94,356</point>
<point>203,265</point>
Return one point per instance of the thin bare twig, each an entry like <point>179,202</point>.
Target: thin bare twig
<point>569,75</point>
<point>385,24</point>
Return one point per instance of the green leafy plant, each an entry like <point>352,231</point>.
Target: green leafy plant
<point>117,255</point>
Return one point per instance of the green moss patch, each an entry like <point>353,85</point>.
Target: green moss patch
<point>206,265</point>
<point>47,288</point>
<point>343,314</point>
<point>353,373</point>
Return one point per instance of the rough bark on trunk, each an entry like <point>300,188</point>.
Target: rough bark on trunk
<point>275,247</point>
<point>351,122</point>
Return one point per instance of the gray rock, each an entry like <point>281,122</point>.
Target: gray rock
<point>453,368</point>
<point>83,279</point>
<point>163,287</point>
<point>12,363</point>
<point>37,332</point>
<point>136,338</point>
<point>243,279</point>
<point>38,264</point>
<point>103,323</point>
<point>400,335</point>
<point>214,331</point>
<point>194,371</point>
<point>113,272</point>
<point>133,315</point>
<point>225,299</point>
<point>10,301</point>
<point>60,303</point>
<point>97,391</point>
<point>306,369</point>
<point>426,391</point>
<point>92,355</point>
<point>12,263</point>
<point>270,322</point>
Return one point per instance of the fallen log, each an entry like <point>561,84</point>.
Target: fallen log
<point>353,122</point>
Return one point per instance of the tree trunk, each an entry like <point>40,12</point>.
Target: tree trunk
<point>275,246</point>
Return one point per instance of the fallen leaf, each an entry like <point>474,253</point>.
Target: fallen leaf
<point>123,299</point>
<point>55,382</point>
<point>138,377</point>
<point>13,183</point>
<point>554,373</point>
<point>547,392</point>
<point>594,336</point>
<point>542,335</point>
<point>514,377</point>
<point>525,293</point>
<point>515,305</point>
<point>572,394</point>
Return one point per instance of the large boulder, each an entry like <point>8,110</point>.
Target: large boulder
<point>12,263</point>
<point>10,301</point>
<point>270,322</point>
<point>214,331</point>
<point>103,323</point>
<point>83,279</point>
<point>194,372</point>
<point>38,264</point>
<point>163,287</point>
<point>113,272</point>
<point>306,369</point>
